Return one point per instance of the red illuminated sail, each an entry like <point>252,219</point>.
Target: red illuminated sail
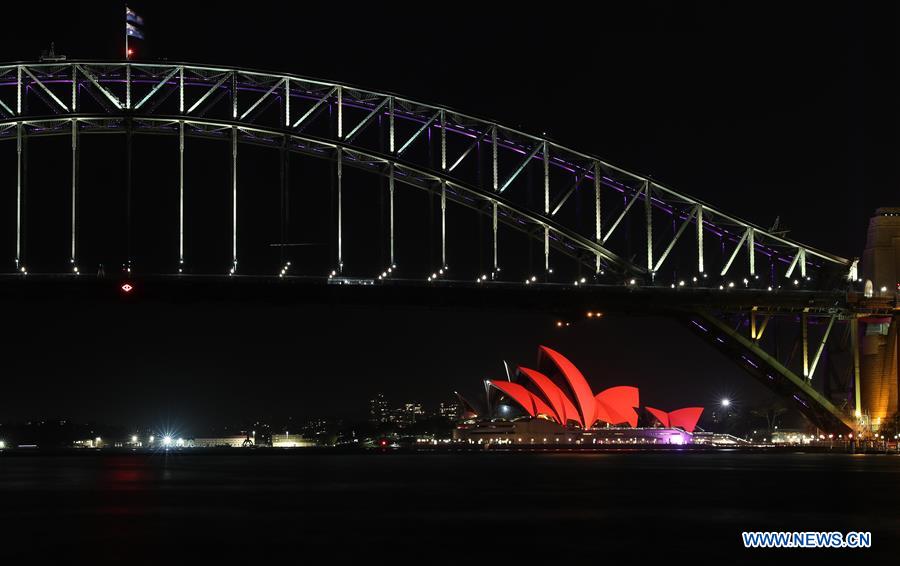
<point>686,418</point>
<point>532,404</point>
<point>555,397</point>
<point>579,385</point>
<point>617,405</point>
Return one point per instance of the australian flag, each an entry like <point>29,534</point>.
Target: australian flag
<point>132,23</point>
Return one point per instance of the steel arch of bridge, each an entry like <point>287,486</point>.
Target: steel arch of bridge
<point>388,135</point>
<point>281,110</point>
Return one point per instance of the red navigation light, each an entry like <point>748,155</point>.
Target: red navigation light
<point>127,287</point>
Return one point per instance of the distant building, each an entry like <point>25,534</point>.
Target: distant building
<point>448,411</point>
<point>378,409</point>
<point>288,440</point>
<point>407,415</point>
<point>237,441</point>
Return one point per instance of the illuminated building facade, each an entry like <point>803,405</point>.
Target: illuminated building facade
<point>236,441</point>
<point>288,440</point>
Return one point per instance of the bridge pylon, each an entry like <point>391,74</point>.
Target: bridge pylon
<point>879,337</point>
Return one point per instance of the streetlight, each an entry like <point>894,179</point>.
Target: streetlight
<point>726,402</point>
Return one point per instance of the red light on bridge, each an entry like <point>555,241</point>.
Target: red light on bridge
<point>127,287</point>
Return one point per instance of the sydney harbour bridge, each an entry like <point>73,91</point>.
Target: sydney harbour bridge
<point>511,220</point>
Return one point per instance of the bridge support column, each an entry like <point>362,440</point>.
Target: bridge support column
<point>496,185</point>
<point>547,270</point>
<point>391,212</point>
<point>128,156</point>
<point>700,238</point>
<point>19,178</point>
<point>751,250</point>
<point>282,171</point>
<point>72,257</point>
<point>494,236</point>
<point>340,219</point>
<point>234,144</point>
<point>443,224</point>
<point>181,194</point>
<point>648,212</point>
<point>804,323</point>
<point>598,225</point>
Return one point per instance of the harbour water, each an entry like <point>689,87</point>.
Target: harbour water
<point>271,506</point>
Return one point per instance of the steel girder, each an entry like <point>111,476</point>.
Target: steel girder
<point>261,107</point>
<point>784,373</point>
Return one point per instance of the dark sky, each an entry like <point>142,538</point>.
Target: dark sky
<point>761,109</point>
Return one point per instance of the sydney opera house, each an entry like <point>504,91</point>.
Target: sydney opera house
<point>554,404</point>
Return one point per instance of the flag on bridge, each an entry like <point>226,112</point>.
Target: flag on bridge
<point>132,31</point>
<point>133,24</point>
<point>130,16</point>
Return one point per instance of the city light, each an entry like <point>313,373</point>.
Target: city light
<point>167,440</point>
<point>134,438</point>
<point>2,444</point>
<point>127,287</point>
<point>726,402</point>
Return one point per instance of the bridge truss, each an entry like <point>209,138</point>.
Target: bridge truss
<point>612,226</point>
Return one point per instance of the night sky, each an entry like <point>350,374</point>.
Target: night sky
<point>763,110</point>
